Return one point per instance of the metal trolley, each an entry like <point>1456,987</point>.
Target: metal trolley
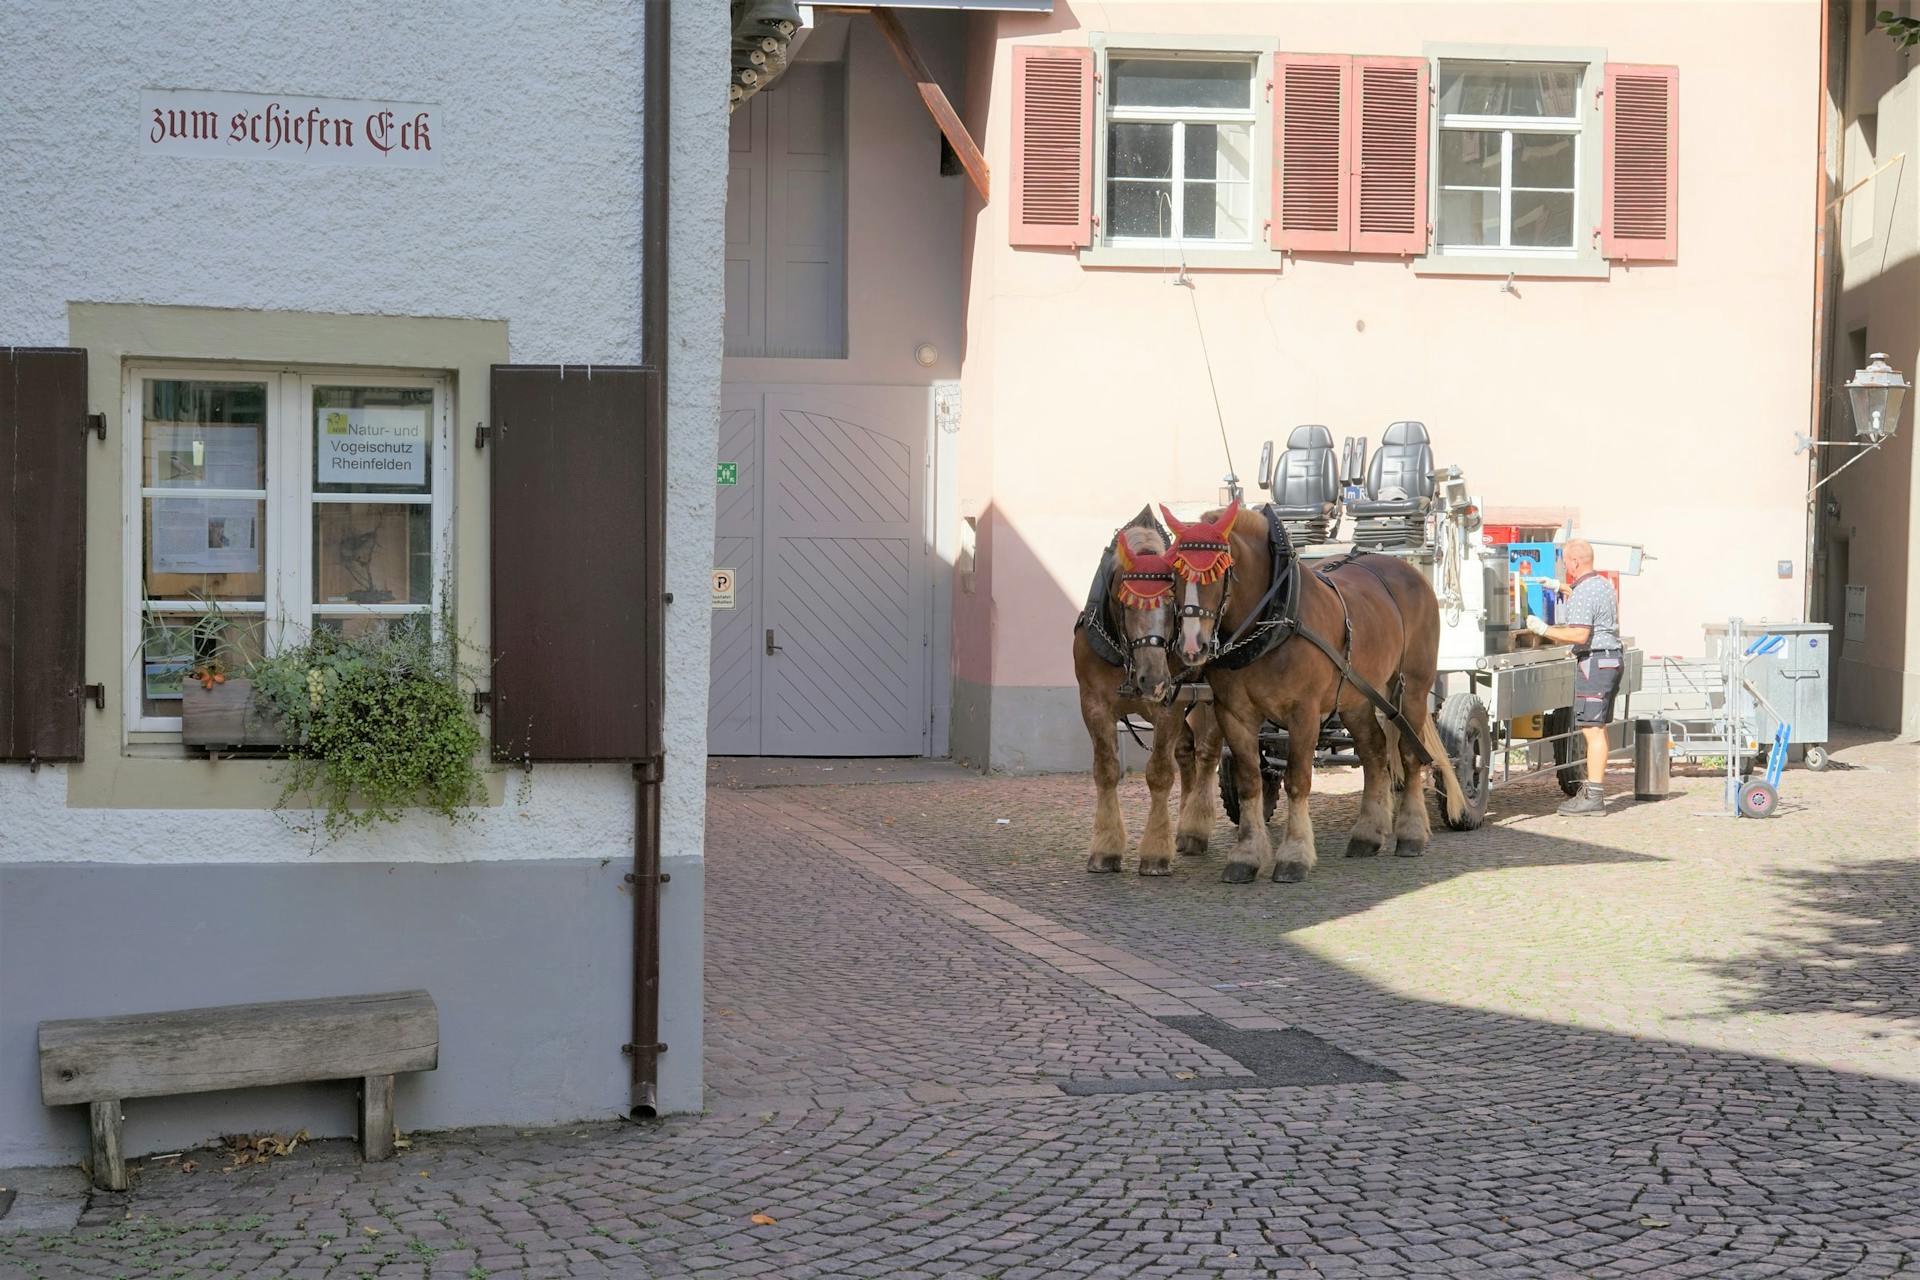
<point>1760,692</point>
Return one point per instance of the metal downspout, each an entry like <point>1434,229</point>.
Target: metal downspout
<point>645,1048</point>
<point>1825,271</point>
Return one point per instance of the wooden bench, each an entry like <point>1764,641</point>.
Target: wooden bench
<point>102,1061</point>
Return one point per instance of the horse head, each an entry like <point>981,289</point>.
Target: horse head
<point>1202,556</point>
<point>1143,586</point>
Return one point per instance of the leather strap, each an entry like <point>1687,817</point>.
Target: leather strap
<point>1372,694</point>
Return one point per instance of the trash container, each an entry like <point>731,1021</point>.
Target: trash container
<point>1652,759</point>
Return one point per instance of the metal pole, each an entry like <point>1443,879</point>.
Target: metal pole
<point>1730,787</point>
<point>644,1047</point>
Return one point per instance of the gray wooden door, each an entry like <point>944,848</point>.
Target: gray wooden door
<point>836,583</point>
<point>733,701</point>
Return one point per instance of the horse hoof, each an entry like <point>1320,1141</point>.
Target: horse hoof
<point>1289,872</point>
<point>1239,872</point>
<point>1191,846</point>
<point>1103,862</point>
<point>1161,868</point>
<point>1361,847</point>
<point>1409,849</point>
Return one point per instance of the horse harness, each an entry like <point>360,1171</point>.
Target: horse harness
<point>1118,651</point>
<point>1276,618</point>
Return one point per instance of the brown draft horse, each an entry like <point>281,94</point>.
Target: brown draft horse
<point>1134,621</point>
<point>1377,609</point>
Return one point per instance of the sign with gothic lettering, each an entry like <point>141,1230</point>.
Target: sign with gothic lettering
<point>251,126</point>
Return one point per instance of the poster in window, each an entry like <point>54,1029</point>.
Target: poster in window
<point>371,448</point>
<point>203,457</point>
<point>164,681</point>
<point>206,535</point>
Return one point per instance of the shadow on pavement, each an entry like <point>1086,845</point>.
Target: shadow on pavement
<point>1851,945</point>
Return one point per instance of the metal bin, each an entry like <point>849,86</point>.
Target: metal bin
<point>1792,678</point>
<point>1652,759</point>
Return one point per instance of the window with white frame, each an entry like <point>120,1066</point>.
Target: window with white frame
<point>270,503</point>
<point>1509,158</point>
<point>1179,150</point>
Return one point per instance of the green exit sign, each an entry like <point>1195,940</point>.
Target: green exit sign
<point>728,473</point>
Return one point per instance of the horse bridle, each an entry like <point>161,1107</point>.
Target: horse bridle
<point>1200,611</point>
<point>1155,641</point>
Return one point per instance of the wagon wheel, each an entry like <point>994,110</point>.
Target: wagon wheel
<point>1230,789</point>
<point>1817,758</point>
<point>1467,734</point>
<point>1569,753</point>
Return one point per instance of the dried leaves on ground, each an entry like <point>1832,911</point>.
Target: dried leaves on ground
<point>258,1148</point>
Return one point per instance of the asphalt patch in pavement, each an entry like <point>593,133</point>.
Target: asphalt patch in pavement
<point>1289,1058</point>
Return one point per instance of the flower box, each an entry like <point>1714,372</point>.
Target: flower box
<point>227,716</point>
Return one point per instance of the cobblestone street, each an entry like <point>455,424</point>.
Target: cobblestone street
<point>1661,1043</point>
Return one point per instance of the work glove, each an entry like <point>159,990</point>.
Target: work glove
<point>1537,625</point>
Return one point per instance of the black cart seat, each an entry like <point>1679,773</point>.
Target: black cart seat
<point>1403,463</point>
<point>1306,484</point>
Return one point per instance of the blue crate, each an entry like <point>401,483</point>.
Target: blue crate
<point>1536,559</point>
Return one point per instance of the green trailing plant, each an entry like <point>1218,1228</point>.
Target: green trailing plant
<point>1904,32</point>
<point>376,723</point>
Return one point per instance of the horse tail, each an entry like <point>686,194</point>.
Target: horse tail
<point>1456,799</point>
<point>1396,761</point>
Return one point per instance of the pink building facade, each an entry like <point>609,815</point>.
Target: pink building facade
<point>1652,401</point>
<point>1576,240</point>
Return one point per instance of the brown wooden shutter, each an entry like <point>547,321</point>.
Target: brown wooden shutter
<point>576,581</point>
<point>1052,202</point>
<point>1390,155</point>
<point>43,561</point>
<point>1639,208</point>
<point>1311,152</point>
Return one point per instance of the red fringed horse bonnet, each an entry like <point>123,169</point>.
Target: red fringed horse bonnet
<point>1201,551</point>
<point>1145,578</point>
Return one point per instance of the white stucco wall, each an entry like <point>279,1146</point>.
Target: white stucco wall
<point>563,811</point>
<point>532,217</point>
<point>533,214</point>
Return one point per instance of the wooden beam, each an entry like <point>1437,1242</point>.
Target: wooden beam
<point>239,1046</point>
<point>376,1117</point>
<point>936,99</point>
<point>109,1159</point>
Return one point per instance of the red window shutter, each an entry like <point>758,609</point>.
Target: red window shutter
<point>1052,146</point>
<point>1390,161</point>
<point>1640,204</point>
<point>1311,152</point>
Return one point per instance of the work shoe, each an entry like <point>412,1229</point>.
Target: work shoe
<point>1591,800</point>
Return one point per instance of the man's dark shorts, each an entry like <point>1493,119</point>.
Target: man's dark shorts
<point>1596,680</point>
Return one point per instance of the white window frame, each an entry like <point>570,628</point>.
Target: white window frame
<point>1506,126</point>
<point>288,608</point>
<point>1180,118</point>
<point>1252,254</point>
<point>1584,258</point>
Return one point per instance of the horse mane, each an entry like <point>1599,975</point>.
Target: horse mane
<point>1144,532</point>
<point>1252,563</point>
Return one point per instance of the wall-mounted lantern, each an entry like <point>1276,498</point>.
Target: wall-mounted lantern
<point>1875,394</point>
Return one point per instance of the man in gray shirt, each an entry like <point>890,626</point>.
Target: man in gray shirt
<point>1592,626</point>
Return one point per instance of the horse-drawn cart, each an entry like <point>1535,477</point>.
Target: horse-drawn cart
<point>1503,707</point>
